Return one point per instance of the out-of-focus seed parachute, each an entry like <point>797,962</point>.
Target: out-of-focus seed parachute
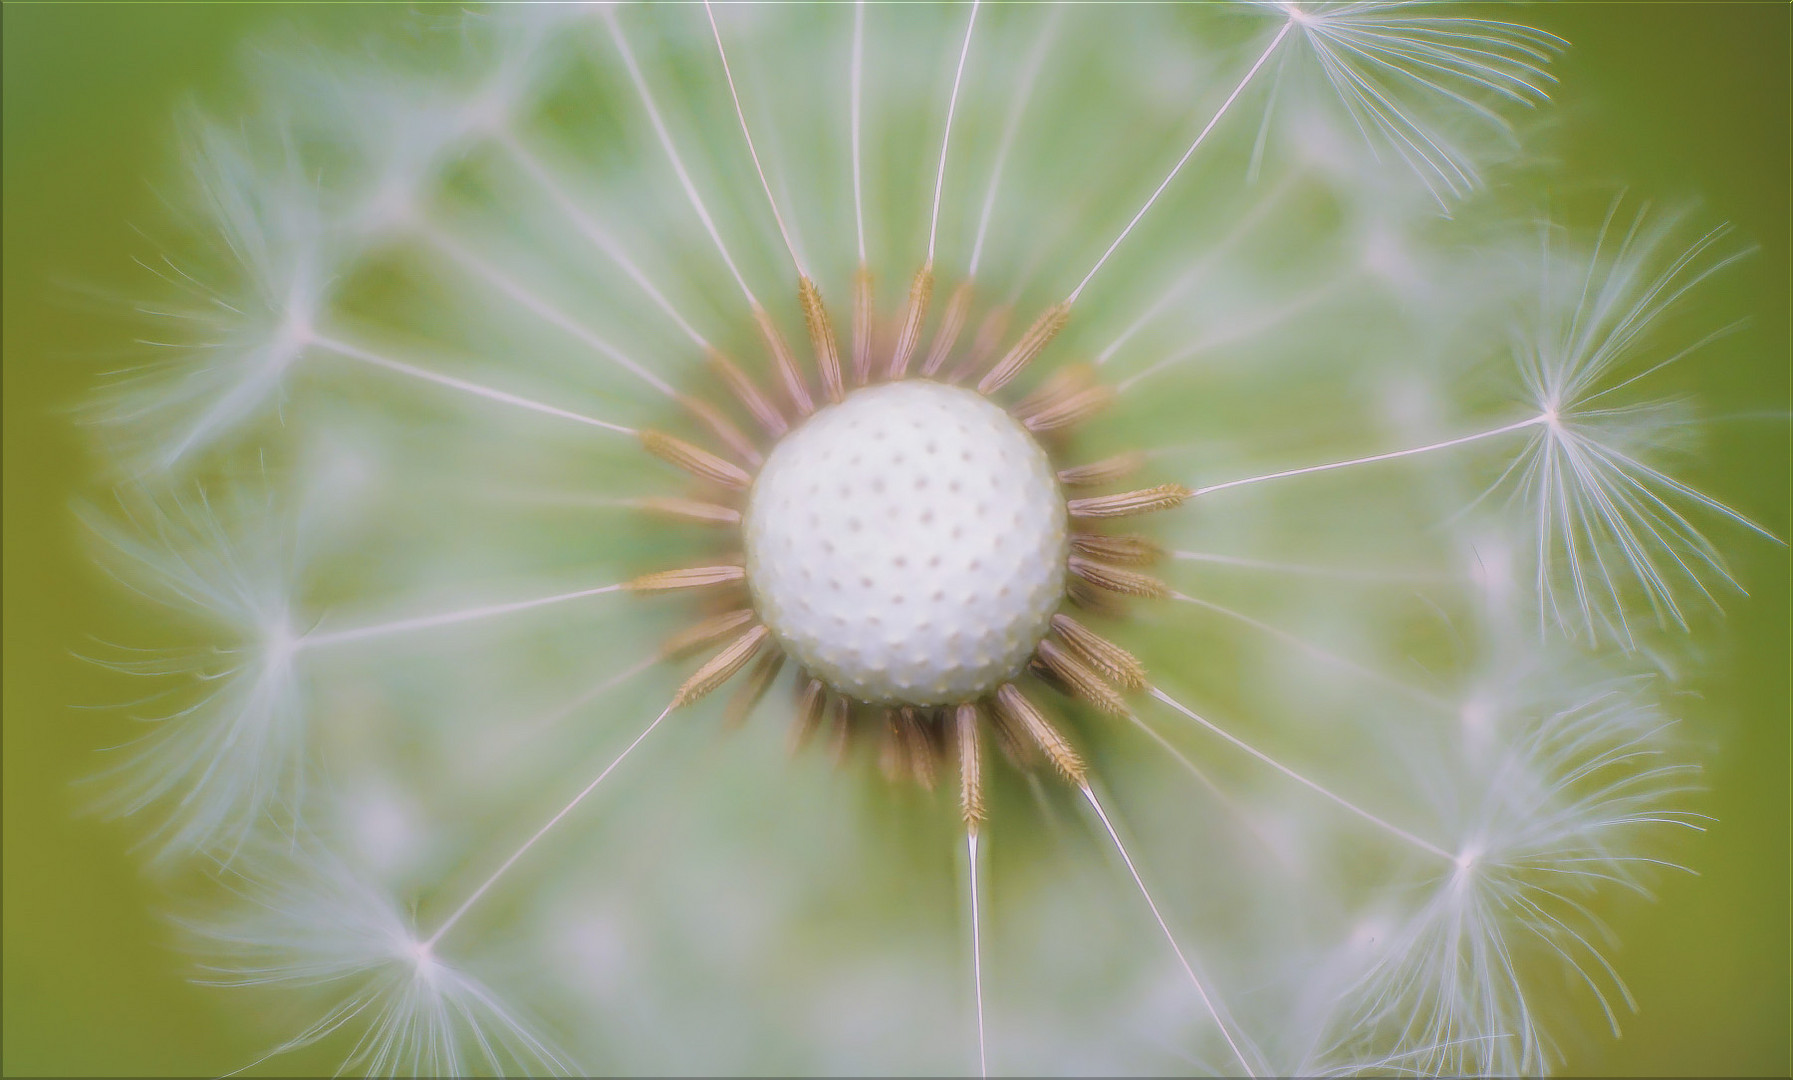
<point>1422,86</point>
<point>448,309</point>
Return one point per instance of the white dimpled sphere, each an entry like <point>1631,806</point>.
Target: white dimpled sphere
<point>907,545</point>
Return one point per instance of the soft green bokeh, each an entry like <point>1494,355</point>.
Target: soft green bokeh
<point>1676,101</point>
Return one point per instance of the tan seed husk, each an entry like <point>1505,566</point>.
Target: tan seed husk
<point>1026,716</point>
<point>821,338</point>
<point>695,460</point>
<point>921,288</point>
<point>720,668</point>
<point>1105,471</point>
<point>1115,579</point>
<point>1144,501</point>
<point>705,631</point>
<point>952,322</point>
<point>786,365</point>
<point>1038,336</point>
<point>708,513</point>
<point>971,768</point>
<point>1079,679</point>
<point>696,577</point>
<point>1122,550</point>
<point>1117,664</point>
<point>748,393</point>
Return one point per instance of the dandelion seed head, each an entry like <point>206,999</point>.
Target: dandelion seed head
<point>578,456</point>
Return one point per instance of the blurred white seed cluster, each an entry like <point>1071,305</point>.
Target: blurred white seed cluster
<point>1403,741</point>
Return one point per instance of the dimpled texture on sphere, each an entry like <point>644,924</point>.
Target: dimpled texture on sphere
<point>907,545</point>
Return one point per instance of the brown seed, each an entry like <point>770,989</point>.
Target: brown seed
<point>748,393</point>
<point>1059,386</point>
<point>719,668</point>
<point>921,288</point>
<point>695,460</point>
<point>810,704</point>
<point>984,342</point>
<point>1079,679</point>
<point>840,725</point>
<point>951,323</point>
<point>862,326</point>
<point>918,746</point>
<point>1025,715</point>
<point>1120,550</point>
<point>1143,501</point>
<point>749,693</point>
<point>690,509</point>
<point>696,577</point>
<point>1089,598</point>
<point>1114,579</point>
<point>785,364</point>
<point>1038,336</point>
<point>1114,662</point>
<point>724,428</point>
<point>711,629</point>
<point>892,748</point>
<point>1105,471</point>
<point>971,768</point>
<point>1072,411</point>
<point>821,337</point>
<point>1017,748</point>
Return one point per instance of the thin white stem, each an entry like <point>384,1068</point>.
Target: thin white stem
<point>1046,242</point>
<point>1243,329</point>
<point>1307,570</point>
<point>1201,777</point>
<point>1200,267</point>
<point>481,267</point>
<point>503,744</point>
<point>1519,425</point>
<point>952,106</point>
<point>856,79</point>
<point>1187,154</point>
<point>748,135</point>
<point>355,352</point>
<point>672,153</point>
<point>1023,93</point>
<point>977,950</point>
<point>589,228</point>
<point>1188,969</point>
<point>1232,806</point>
<point>446,618</point>
<point>1369,674</point>
<point>485,886</point>
<point>251,388</point>
<point>1386,826</point>
<point>524,731</point>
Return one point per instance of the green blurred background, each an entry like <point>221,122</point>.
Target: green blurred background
<point>1674,100</point>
